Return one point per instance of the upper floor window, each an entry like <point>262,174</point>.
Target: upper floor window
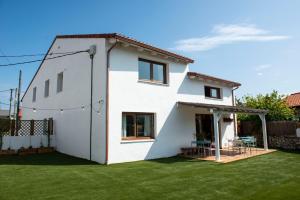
<point>152,71</point>
<point>47,87</point>
<point>60,81</point>
<point>212,92</point>
<point>34,94</point>
<point>137,125</point>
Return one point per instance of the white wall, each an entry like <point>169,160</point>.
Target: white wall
<point>72,126</point>
<point>16,142</point>
<point>174,126</point>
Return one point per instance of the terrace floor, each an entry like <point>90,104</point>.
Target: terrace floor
<point>230,156</point>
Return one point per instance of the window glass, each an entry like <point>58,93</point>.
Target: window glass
<point>144,70</point>
<point>34,94</point>
<point>47,85</point>
<point>60,79</point>
<point>214,92</point>
<point>158,72</point>
<point>128,125</point>
<point>144,125</point>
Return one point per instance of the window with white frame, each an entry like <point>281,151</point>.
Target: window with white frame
<point>47,87</point>
<point>60,81</point>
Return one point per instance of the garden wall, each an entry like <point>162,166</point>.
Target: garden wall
<point>281,134</point>
<point>16,142</point>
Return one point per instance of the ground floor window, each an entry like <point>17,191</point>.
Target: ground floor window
<point>137,125</point>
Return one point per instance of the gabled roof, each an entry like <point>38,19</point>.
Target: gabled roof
<point>207,78</point>
<point>293,100</point>
<point>132,41</point>
<point>117,36</point>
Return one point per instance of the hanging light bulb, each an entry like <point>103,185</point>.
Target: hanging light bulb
<point>34,110</point>
<point>82,107</point>
<point>61,111</point>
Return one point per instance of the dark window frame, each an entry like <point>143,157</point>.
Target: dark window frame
<point>136,137</point>
<point>34,91</point>
<point>47,88</point>
<point>208,92</point>
<point>60,84</point>
<point>165,71</point>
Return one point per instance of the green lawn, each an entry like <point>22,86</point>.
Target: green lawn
<point>57,176</point>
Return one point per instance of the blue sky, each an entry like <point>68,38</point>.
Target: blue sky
<point>253,42</point>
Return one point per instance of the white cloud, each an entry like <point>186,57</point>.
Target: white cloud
<point>227,34</point>
<point>262,67</point>
<point>259,73</point>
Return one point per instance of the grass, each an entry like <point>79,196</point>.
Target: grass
<point>58,176</point>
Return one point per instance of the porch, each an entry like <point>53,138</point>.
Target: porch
<point>237,148</point>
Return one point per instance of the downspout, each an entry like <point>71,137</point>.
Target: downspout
<point>234,115</point>
<point>107,100</point>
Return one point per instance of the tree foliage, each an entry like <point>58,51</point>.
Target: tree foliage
<point>273,102</point>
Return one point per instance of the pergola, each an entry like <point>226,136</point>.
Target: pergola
<point>219,110</point>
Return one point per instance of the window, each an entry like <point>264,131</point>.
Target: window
<point>47,85</point>
<point>34,95</point>
<point>152,71</point>
<point>60,81</point>
<point>212,92</point>
<point>137,125</point>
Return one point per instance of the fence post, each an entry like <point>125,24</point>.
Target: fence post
<point>12,127</point>
<point>32,127</point>
<point>50,130</point>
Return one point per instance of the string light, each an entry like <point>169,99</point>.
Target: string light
<point>61,110</point>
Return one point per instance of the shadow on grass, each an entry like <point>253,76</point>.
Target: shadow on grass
<point>44,159</point>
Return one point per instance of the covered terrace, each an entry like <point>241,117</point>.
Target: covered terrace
<point>218,110</point>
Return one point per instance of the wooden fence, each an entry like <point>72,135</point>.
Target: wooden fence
<point>26,127</point>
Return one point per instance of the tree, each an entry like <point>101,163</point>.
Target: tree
<point>273,102</point>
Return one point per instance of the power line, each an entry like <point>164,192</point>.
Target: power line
<point>34,55</point>
<point>38,60</point>
<point>5,90</point>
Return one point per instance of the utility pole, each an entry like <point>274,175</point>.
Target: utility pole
<point>15,102</point>
<point>10,99</point>
<point>18,102</point>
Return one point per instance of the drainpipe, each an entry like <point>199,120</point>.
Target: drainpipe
<point>92,52</point>
<point>234,115</point>
<point>107,100</point>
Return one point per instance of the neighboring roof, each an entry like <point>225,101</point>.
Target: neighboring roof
<point>293,100</point>
<point>225,108</point>
<point>130,41</point>
<point>203,77</point>
<point>4,113</point>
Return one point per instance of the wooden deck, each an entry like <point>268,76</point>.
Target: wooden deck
<point>228,156</point>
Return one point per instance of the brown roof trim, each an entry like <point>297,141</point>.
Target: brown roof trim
<point>193,75</point>
<point>131,41</point>
<point>225,108</point>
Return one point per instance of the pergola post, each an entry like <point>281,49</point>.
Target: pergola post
<point>264,129</point>
<point>217,116</point>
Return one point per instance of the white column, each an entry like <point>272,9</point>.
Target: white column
<point>217,116</point>
<point>264,129</point>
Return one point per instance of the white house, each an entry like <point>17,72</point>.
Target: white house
<point>146,103</point>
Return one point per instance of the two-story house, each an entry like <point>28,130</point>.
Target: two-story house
<point>139,102</point>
